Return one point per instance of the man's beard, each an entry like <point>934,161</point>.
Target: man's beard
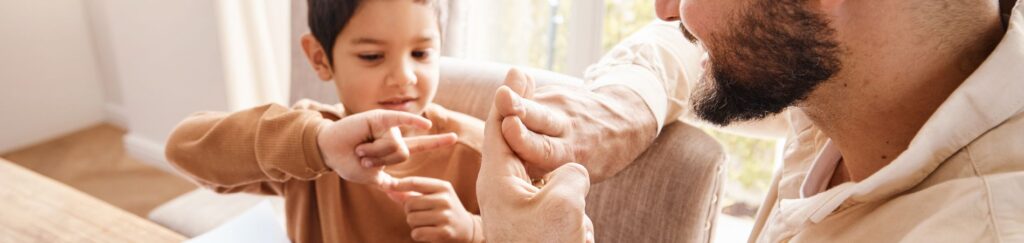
<point>775,57</point>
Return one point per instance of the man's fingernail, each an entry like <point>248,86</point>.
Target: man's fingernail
<point>367,163</point>
<point>360,153</point>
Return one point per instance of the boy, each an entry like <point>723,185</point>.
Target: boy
<point>382,57</point>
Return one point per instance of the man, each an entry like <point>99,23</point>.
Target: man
<point>904,118</point>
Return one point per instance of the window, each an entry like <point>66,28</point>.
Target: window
<point>528,33</point>
<point>622,18</point>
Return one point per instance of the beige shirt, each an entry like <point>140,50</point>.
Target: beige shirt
<point>960,180</point>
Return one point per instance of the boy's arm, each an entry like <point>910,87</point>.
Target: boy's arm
<point>254,150</point>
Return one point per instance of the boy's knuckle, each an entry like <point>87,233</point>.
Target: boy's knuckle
<point>446,219</point>
<point>447,233</point>
<point>408,207</point>
<point>390,148</point>
<point>418,235</point>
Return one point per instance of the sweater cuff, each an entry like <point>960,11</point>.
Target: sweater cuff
<point>311,146</point>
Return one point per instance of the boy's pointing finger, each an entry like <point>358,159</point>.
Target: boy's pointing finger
<point>382,120</point>
<point>429,142</point>
<point>422,185</point>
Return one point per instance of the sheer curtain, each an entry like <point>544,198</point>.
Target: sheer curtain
<point>255,51</point>
<point>558,35</point>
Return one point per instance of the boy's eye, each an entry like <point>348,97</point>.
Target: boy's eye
<point>370,57</point>
<point>420,54</point>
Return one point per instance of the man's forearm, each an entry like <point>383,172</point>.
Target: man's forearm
<point>603,128</point>
<point>626,128</point>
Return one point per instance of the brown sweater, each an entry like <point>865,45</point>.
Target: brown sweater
<point>272,150</point>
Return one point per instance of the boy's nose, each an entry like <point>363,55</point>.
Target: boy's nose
<point>667,10</point>
<point>403,74</point>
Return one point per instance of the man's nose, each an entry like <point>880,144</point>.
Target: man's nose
<point>402,74</point>
<point>667,10</point>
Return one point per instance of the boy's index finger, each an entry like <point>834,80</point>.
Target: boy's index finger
<point>423,185</point>
<point>385,119</point>
<point>429,142</point>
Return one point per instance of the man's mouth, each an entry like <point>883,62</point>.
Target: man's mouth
<point>398,103</point>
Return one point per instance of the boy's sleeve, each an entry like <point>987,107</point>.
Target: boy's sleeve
<point>254,150</point>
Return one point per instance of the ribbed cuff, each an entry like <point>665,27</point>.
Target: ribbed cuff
<point>311,146</point>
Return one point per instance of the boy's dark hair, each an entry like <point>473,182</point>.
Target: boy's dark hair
<point>328,17</point>
<point>326,20</point>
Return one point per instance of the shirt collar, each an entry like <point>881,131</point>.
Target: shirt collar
<point>821,171</point>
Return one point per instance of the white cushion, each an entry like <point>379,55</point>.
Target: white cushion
<point>202,210</point>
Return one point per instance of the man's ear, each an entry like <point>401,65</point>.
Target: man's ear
<point>317,57</point>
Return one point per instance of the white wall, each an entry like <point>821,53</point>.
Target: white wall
<point>49,83</point>
<point>113,102</point>
<point>141,64</point>
<point>168,64</point>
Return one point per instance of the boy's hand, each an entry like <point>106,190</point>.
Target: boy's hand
<point>433,210</point>
<point>375,131</point>
<point>392,148</point>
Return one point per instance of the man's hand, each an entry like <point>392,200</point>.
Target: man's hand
<point>605,130</point>
<point>513,210</point>
<point>434,211</point>
<point>371,138</point>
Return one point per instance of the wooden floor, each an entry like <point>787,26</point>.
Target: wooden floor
<point>94,161</point>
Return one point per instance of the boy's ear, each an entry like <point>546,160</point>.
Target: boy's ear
<point>317,57</point>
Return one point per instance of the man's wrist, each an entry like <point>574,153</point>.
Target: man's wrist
<point>477,234</point>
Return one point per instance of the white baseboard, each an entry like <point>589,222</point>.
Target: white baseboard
<point>114,115</point>
<point>148,151</point>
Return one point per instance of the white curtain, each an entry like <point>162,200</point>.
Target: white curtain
<point>559,35</point>
<point>255,44</point>
<point>454,26</point>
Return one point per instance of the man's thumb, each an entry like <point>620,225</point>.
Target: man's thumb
<point>520,82</point>
<point>570,179</point>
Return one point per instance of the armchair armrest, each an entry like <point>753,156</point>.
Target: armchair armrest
<point>669,194</point>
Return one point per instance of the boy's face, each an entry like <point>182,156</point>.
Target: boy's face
<point>386,57</point>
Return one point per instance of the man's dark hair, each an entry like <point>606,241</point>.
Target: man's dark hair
<point>326,20</point>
